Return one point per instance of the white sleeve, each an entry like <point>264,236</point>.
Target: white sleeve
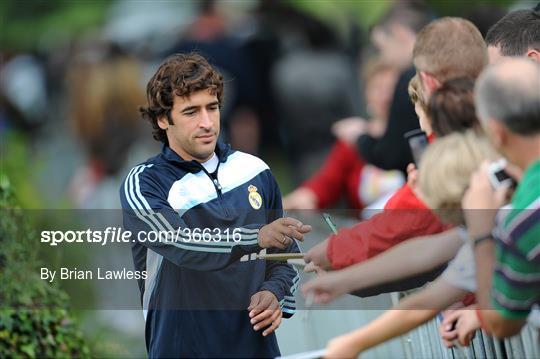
<point>461,271</point>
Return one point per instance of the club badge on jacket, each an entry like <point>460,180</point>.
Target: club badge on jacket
<point>255,199</point>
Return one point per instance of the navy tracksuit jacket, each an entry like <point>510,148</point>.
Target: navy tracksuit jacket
<point>199,282</point>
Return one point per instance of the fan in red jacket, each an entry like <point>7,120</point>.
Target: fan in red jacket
<point>409,217</point>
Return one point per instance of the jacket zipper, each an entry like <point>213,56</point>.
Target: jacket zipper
<point>214,178</point>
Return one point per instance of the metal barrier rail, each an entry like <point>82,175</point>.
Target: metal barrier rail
<point>425,342</point>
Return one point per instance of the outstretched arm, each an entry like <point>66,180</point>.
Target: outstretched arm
<point>409,258</point>
<point>410,313</point>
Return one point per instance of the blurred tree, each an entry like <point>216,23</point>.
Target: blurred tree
<point>24,24</point>
<point>344,13</point>
<point>463,8</point>
<point>368,12</point>
<point>34,322</point>
<point>18,163</point>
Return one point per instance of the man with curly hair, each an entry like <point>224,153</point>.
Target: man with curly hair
<point>199,213</point>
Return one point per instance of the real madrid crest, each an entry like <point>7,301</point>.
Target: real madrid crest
<point>255,199</point>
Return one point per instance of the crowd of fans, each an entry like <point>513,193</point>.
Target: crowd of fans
<point>468,218</point>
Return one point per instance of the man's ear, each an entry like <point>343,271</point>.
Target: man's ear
<point>163,123</point>
<point>533,55</point>
<point>498,133</point>
<point>429,84</point>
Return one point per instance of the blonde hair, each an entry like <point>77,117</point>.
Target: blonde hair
<point>445,170</point>
<point>450,47</point>
<point>415,92</point>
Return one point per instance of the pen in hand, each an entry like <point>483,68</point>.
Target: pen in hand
<point>330,223</point>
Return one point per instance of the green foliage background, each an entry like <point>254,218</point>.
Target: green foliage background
<point>33,321</point>
<point>25,24</point>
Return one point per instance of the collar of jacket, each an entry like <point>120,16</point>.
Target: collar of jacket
<point>222,151</point>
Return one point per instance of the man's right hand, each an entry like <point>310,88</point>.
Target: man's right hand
<point>280,233</point>
<point>317,255</point>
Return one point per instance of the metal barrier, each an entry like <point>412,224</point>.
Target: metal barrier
<point>424,342</point>
<point>311,330</point>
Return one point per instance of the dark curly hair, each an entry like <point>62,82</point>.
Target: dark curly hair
<point>181,75</point>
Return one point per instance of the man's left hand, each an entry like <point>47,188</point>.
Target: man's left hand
<point>265,312</point>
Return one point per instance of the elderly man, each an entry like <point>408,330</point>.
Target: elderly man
<point>507,97</point>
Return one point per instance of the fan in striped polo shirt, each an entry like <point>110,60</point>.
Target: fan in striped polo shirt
<point>508,270</point>
<point>516,281</point>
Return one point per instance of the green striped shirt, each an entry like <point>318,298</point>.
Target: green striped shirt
<point>516,281</point>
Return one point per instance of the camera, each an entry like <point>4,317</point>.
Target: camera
<point>498,176</point>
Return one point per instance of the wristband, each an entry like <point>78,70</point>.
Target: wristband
<point>480,239</point>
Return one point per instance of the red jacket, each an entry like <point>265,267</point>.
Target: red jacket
<point>339,174</point>
<point>405,216</point>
